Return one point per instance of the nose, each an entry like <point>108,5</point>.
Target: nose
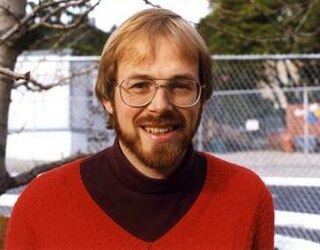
<point>161,101</point>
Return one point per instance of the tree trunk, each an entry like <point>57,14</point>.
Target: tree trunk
<point>10,12</point>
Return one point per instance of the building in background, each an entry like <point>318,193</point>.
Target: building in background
<point>66,119</point>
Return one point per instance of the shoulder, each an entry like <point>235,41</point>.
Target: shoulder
<point>47,186</point>
<point>220,166</point>
<point>57,175</point>
<point>233,176</point>
<point>43,199</point>
<point>238,186</point>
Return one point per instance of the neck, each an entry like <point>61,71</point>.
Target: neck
<point>154,173</point>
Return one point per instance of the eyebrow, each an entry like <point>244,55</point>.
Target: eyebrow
<point>174,77</point>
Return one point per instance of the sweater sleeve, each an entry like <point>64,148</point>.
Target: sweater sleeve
<point>264,233</point>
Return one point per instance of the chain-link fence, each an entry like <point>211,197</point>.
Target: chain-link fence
<point>243,126</point>
<point>264,114</point>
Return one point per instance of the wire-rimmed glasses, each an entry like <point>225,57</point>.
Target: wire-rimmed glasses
<point>140,92</point>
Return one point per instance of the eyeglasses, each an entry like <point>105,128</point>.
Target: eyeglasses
<point>140,92</point>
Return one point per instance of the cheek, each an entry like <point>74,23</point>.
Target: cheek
<point>125,114</point>
<point>193,116</point>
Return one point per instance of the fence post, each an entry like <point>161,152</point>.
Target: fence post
<point>305,120</point>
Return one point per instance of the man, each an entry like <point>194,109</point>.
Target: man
<point>151,189</point>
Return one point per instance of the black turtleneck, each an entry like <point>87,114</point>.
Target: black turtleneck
<point>145,207</point>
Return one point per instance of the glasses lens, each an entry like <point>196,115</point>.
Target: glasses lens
<point>184,92</point>
<point>138,93</point>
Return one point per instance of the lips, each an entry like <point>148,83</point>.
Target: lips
<point>159,130</point>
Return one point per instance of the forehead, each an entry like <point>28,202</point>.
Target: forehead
<point>163,60</point>
<point>143,51</point>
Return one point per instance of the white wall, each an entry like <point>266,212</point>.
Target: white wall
<point>40,123</point>
<point>40,146</point>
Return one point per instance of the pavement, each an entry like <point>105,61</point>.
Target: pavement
<point>277,164</point>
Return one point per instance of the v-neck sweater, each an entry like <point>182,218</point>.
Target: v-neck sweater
<point>145,207</point>
<point>234,210</point>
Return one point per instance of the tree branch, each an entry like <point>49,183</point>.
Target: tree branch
<point>305,16</point>
<point>26,177</point>
<point>44,20</point>
<point>14,75</point>
<point>6,9</point>
<point>66,35</point>
<point>34,85</point>
<point>310,34</point>
<point>151,4</point>
<point>57,5</point>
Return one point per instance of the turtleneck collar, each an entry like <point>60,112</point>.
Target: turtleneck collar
<point>130,177</point>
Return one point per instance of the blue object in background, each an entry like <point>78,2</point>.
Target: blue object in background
<point>309,143</point>
<point>312,119</point>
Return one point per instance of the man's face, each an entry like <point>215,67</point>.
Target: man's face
<point>157,135</point>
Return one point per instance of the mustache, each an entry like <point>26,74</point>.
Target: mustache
<point>164,118</point>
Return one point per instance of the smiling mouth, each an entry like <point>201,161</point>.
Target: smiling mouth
<point>159,130</point>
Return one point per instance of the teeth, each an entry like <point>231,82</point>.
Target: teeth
<point>158,130</point>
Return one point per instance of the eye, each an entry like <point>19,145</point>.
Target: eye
<point>138,86</point>
<point>183,85</point>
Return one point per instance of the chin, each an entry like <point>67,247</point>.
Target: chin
<point>163,155</point>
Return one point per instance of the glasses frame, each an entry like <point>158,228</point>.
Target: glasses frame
<point>158,86</point>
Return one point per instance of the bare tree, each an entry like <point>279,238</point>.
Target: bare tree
<point>17,18</point>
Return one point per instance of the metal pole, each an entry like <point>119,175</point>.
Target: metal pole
<point>305,121</point>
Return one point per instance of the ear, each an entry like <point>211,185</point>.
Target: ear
<point>108,106</point>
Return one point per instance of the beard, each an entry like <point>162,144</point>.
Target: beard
<point>163,155</point>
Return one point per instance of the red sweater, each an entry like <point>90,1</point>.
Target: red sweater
<point>233,211</point>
